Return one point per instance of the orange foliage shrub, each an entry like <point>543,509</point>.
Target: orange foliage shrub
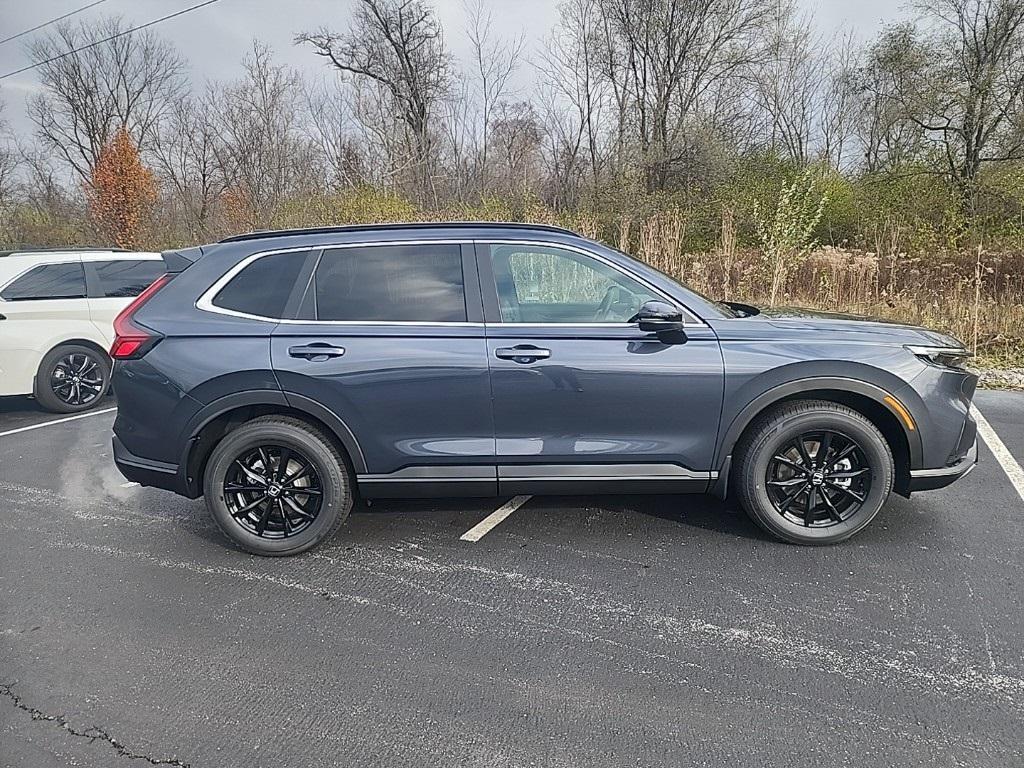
<point>122,193</point>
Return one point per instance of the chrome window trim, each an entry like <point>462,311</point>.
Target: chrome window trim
<point>693,322</point>
<point>205,301</point>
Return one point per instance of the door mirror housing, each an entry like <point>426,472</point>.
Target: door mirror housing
<point>663,319</point>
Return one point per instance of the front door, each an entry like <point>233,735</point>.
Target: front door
<point>390,340</point>
<point>584,400</point>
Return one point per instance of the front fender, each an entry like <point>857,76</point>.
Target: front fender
<point>763,392</point>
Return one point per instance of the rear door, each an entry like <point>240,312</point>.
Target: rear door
<point>113,283</point>
<point>389,337</point>
<point>40,307</point>
<point>583,399</point>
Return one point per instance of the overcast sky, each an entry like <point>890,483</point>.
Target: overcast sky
<point>214,39</point>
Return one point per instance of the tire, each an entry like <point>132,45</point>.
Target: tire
<point>771,469</point>
<point>72,378</point>
<point>236,477</point>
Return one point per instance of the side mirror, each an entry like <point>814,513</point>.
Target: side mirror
<point>662,319</point>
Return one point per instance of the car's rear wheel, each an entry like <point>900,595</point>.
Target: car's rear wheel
<point>813,472</point>
<point>72,378</point>
<point>277,486</point>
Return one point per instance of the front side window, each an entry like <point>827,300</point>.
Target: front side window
<point>127,277</point>
<point>547,284</point>
<point>262,288</point>
<point>48,281</point>
<point>391,283</point>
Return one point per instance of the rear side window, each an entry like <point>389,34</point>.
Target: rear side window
<point>48,281</point>
<point>392,283</point>
<point>263,287</point>
<point>125,277</point>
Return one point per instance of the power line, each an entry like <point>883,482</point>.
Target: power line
<point>195,7</point>
<point>51,21</point>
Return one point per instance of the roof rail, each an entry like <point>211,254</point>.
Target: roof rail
<point>259,235</point>
<point>71,249</point>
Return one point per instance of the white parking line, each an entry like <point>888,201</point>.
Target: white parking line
<point>1009,464</point>
<point>482,528</point>
<point>56,421</point>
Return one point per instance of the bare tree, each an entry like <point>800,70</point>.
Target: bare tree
<point>575,95</point>
<point>960,79</point>
<point>516,136</point>
<point>259,147</point>
<point>494,62</point>
<point>397,44</point>
<point>130,81</point>
<point>673,52</point>
<point>184,149</point>
<point>333,127</point>
<point>9,162</point>
<point>889,136</point>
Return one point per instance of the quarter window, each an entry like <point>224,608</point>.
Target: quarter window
<point>48,281</point>
<point>127,277</point>
<point>391,283</point>
<point>263,287</point>
<point>544,284</point>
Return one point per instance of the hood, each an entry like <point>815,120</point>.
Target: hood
<point>845,325</point>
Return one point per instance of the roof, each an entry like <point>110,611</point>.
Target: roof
<point>28,251</point>
<point>400,226</point>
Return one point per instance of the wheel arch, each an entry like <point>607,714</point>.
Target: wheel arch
<point>867,399</point>
<point>212,422</point>
<point>79,341</point>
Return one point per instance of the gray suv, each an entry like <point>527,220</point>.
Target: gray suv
<point>284,374</point>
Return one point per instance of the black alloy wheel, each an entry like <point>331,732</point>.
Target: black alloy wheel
<point>77,379</point>
<point>72,378</point>
<point>818,479</point>
<point>277,485</point>
<point>812,471</point>
<point>273,491</point>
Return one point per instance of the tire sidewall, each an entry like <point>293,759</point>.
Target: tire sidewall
<point>871,444</point>
<point>44,394</point>
<point>333,477</point>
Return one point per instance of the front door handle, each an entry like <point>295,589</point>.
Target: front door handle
<point>317,352</point>
<point>522,353</point>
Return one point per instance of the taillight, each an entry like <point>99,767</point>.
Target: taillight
<point>130,339</point>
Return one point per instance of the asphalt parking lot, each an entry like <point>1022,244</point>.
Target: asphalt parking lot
<point>640,631</point>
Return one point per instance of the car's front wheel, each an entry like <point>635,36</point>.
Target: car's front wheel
<point>813,472</point>
<point>277,486</point>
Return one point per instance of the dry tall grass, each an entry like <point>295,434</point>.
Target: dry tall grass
<point>945,291</point>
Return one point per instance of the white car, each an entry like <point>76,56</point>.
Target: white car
<point>57,310</point>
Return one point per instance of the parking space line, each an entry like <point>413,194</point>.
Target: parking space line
<point>484,527</point>
<point>1009,464</point>
<point>56,421</point>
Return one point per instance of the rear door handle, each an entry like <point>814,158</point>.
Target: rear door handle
<point>317,352</point>
<point>522,353</point>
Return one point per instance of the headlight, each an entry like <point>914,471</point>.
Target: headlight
<point>945,357</point>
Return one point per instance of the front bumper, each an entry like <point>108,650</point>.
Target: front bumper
<point>930,479</point>
<point>154,474</point>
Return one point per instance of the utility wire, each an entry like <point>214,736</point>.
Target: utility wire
<point>51,21</point>
<point>195,7</point>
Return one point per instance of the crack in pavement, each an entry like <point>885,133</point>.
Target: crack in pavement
<point>91,733</point>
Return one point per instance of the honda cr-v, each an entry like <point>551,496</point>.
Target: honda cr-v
<point>284,374</point>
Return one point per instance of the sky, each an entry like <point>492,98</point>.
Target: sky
<point>214,39</point>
